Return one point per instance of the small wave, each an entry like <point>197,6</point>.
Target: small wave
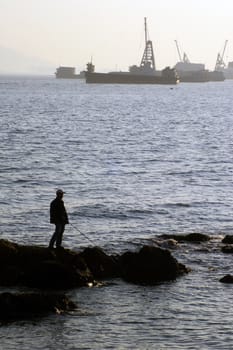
<point>162,212</point>
<point>101,211</point>
<point>178,204</point>
<point>140,211</point>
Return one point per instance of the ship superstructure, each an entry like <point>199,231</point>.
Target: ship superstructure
<point>64,72</point>
<point>194,72</point>
<point>188,71</point>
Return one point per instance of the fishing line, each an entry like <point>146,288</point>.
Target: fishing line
<point>83,234</point>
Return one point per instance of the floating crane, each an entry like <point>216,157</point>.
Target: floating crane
<point>148,59</point>
<point>185,58</point>
<point>220,64</point>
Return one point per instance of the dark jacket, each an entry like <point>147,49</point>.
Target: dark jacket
<point>58,214</point>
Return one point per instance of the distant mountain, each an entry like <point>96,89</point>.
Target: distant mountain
<point>14,62</point>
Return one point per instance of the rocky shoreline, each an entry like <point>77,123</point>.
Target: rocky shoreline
<point>43,268</point>
<point>52,272</point>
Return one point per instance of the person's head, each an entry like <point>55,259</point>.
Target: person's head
<point>59,193</point>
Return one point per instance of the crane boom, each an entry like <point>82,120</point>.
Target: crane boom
<point>178,50</point>
<point>185,58</point>
<point>220,64</point>
<point>145,25</point>
<point>148,59</point>
<point>224,49</point>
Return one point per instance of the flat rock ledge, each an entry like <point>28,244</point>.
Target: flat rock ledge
<point>191,237</point>
<point>62,269</point>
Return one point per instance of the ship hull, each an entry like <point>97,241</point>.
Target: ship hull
<point>75,76</point>
<point>228,73</point>
<point>216,76</point>
<point>201,78</point>
<point>127,78</point>
<point>193,76</point>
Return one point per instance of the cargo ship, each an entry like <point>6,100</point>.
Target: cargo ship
<point>190,72</point>
<point>64,72</point>
<point>166,76</point>
<point>146,73</point>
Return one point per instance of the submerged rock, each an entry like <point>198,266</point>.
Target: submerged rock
<point>20,305</point>
<point>227,249</point>
<point>226,279</point>
<point>167,243</point>
<point>150,266</point>
<point>191,237</point>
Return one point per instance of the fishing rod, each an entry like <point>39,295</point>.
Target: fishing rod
<point>83,234</point>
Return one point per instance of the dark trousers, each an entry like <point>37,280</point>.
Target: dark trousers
<point>57,236</point>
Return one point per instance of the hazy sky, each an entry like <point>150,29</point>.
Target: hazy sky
<point>70,32</point>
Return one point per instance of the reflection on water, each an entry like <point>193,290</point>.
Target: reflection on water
<point>135,162</point>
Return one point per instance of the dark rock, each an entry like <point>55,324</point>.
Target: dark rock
<point>8,251</point>
<point>227,249</point>
<point>10,275</point>
<point>150,266</point>
<point>227,279</point>
<point>191,237</point>
<point>40,267</point>
<point>228,239</point>
<point>19,305</point>
<point>34,254</point>
<point>100,264</point>
<point>56,275</point>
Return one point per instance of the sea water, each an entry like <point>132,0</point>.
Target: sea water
<point>135,161</point>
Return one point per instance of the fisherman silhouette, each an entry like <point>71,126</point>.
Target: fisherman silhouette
<point>59,217</point>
